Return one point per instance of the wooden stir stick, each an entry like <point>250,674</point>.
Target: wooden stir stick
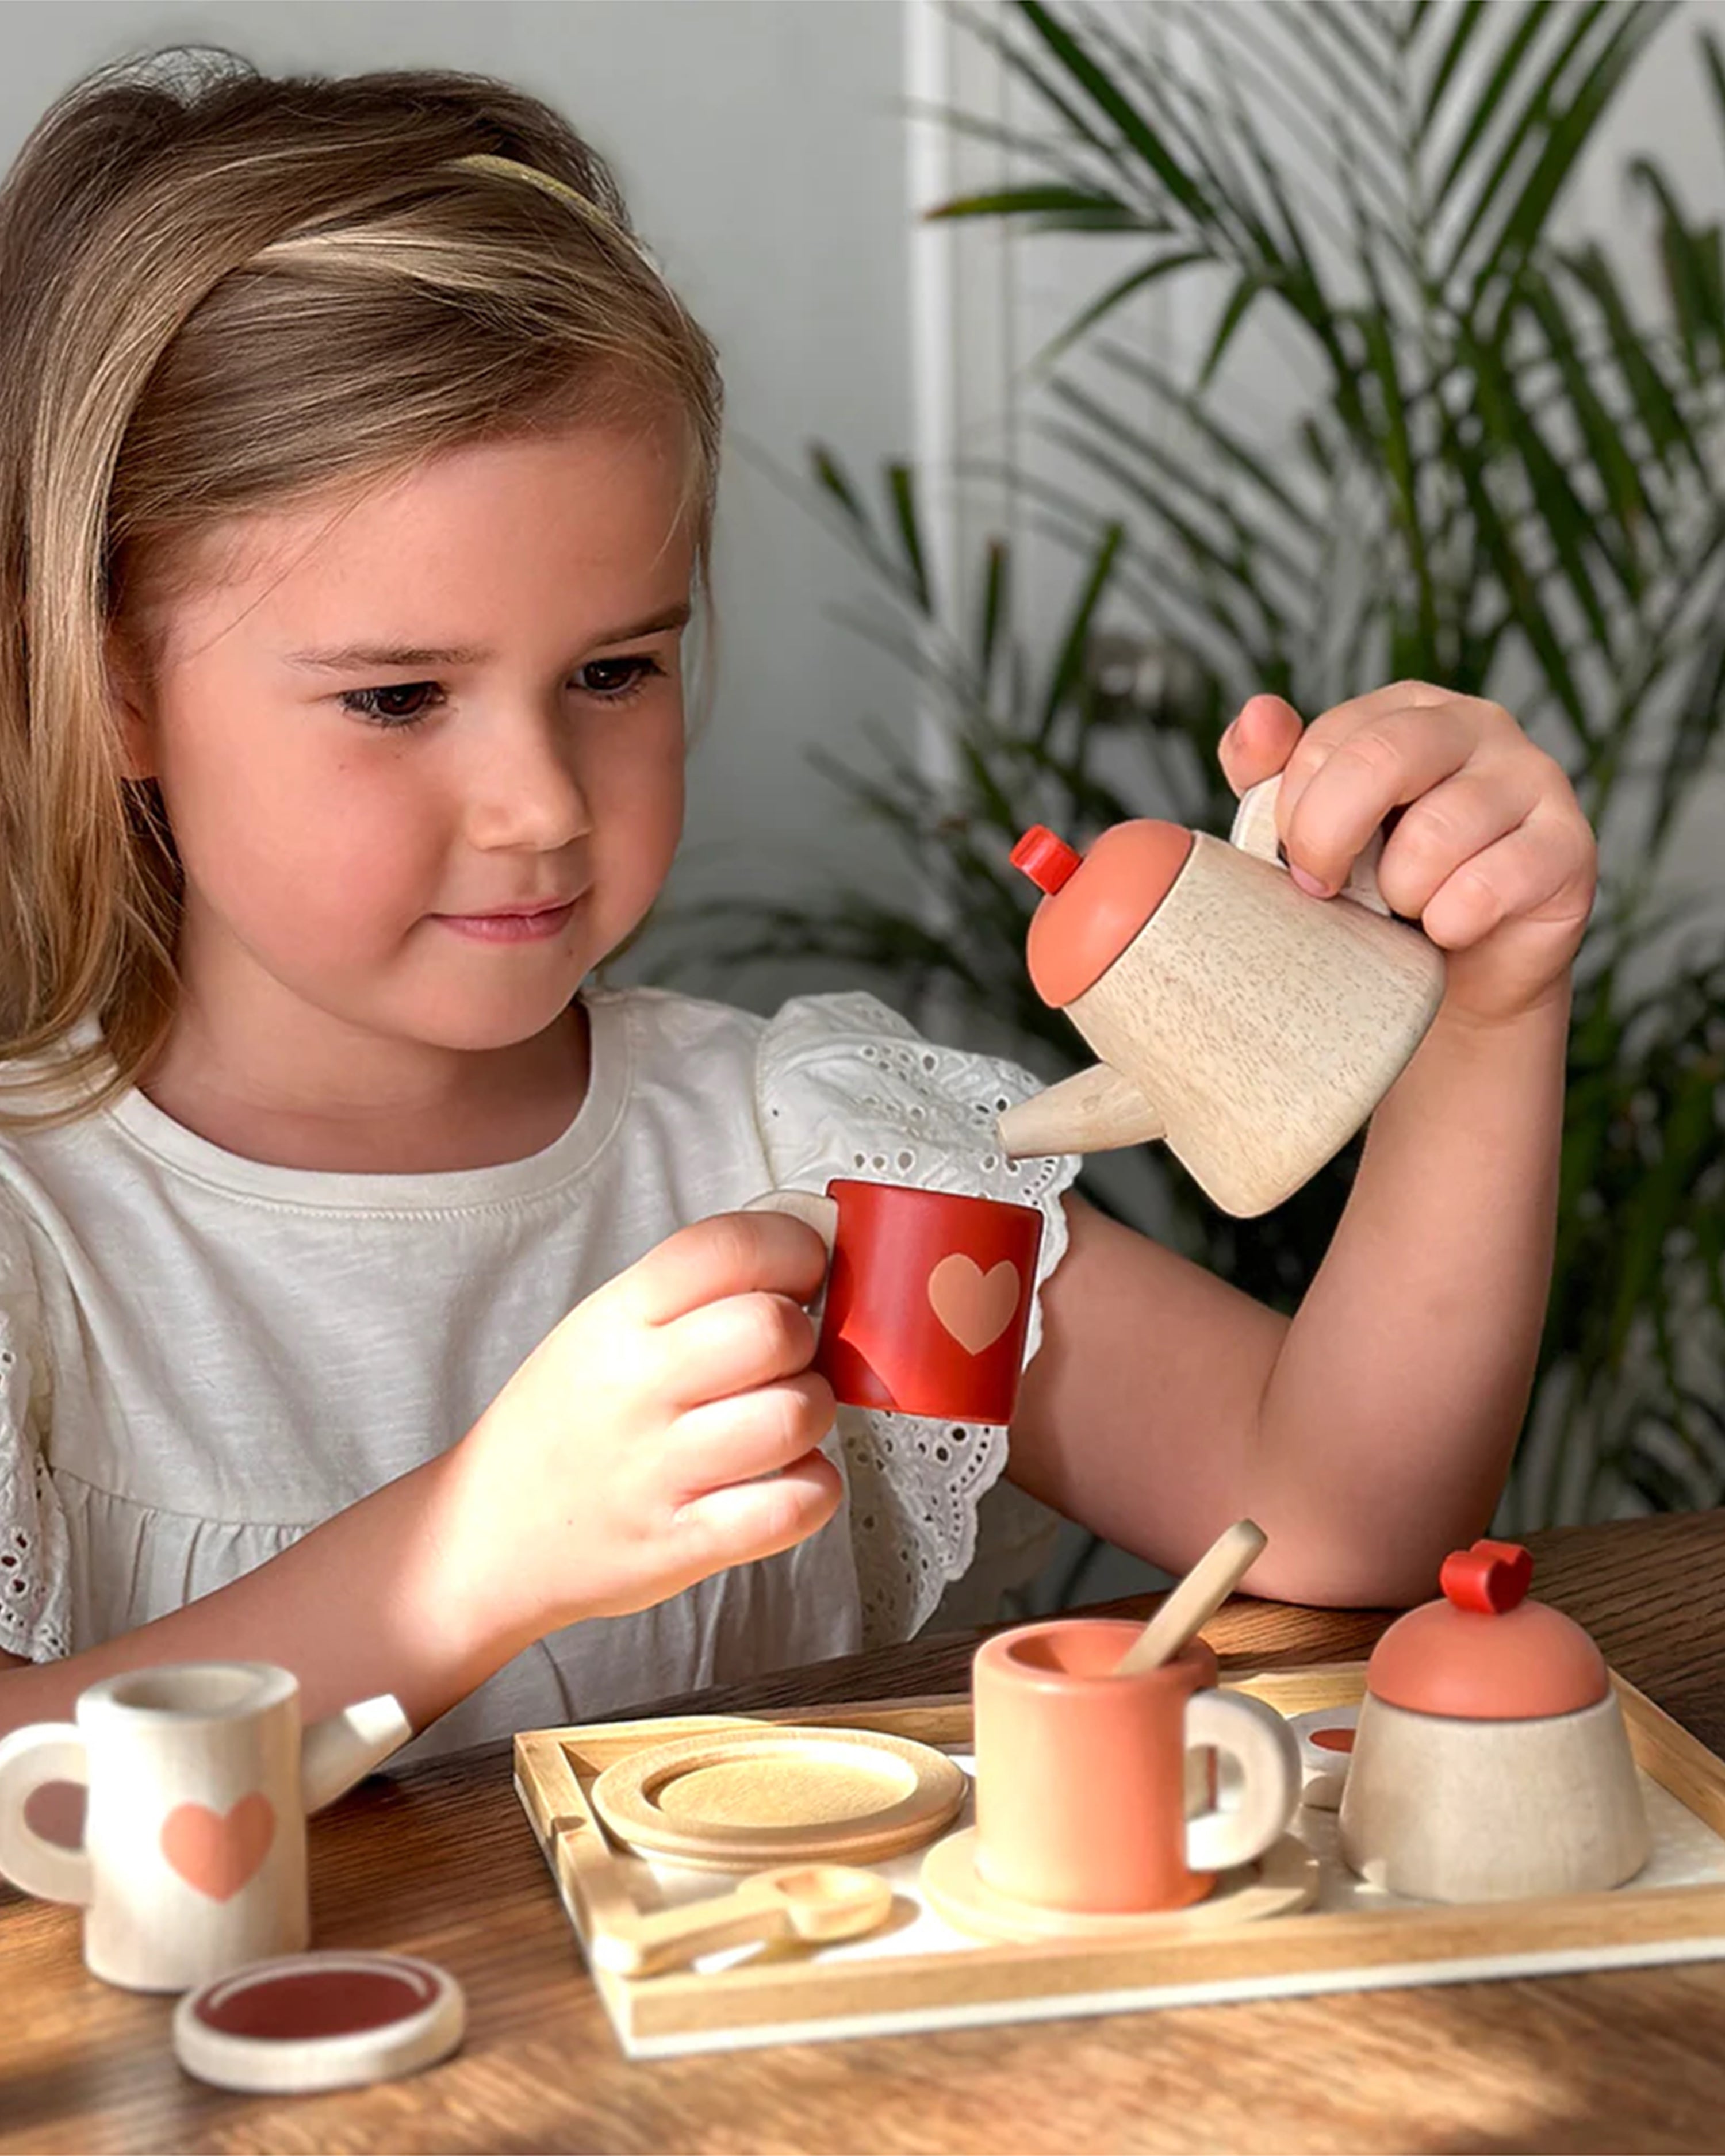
<point>1199,1596</point>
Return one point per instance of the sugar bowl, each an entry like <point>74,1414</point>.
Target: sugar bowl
<point>1491,1761</point>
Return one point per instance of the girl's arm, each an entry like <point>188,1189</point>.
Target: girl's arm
<point>356,1607</point>
<point>668,1427</point>
<point>1373,1433</point>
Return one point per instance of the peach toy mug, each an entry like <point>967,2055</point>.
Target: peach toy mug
<point>1081,1776</point>
<point>1251,1026</point>
<point>928,1298</point>
<point>198,1782</point>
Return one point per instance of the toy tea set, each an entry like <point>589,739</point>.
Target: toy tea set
<point>191,1870</point>
<point>1100,1824</point>
<point>1253,1027</point>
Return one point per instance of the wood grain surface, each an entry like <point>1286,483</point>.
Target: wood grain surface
<point>441,1862</point>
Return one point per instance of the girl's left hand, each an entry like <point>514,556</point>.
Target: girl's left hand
<point>1491,854</point>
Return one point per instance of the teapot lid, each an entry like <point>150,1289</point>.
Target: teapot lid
<point>1483,1653</point>
<point>1094,906</point>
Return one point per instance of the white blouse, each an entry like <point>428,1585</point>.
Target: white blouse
<point>203,1356</point>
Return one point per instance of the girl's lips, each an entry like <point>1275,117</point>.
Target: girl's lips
<point>510,927</point>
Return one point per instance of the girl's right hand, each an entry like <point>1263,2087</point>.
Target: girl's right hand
<point>624,1459</point>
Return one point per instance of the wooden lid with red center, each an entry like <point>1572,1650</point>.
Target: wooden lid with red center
<point>302,2021</point>
<point>1483,1652</point>
<point>1094,906</point>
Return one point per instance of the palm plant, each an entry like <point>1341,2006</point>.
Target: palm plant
<point>1501,475</point>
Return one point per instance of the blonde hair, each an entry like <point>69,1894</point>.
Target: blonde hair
<point>224,293</point>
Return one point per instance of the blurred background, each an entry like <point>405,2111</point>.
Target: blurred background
<point>1091,367</point>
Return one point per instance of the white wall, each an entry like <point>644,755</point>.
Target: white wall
<point>759,143</point>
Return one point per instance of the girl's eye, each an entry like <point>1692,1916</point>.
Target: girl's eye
<point>616,680</point>
<point>401,704</point>
<point>408,703</point>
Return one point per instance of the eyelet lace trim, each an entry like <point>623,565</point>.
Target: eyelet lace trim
<point>847,1087</point>
<point>35,1565</point>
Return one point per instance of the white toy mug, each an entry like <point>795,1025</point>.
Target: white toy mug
<point>199,1782</point>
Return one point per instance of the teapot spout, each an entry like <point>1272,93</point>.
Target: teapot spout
<point>1096,1110</point>
<point>334,1754</point>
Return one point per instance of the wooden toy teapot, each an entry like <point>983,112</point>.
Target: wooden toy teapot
<point>1252,1026</point>
<point>1492,1760</point>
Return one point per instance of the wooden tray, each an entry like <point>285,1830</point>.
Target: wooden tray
<point>918,1973</point>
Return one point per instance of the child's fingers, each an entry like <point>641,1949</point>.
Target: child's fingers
<point>1535,876</point>
<point>1396,704</point>
<point>733,1346</point>
<point>731,1254</point>
<point>746,1521</point>
<point>1462,817</point>
<point>1258,742</point>
<point>749,1434</point>
<point>1339,789</point>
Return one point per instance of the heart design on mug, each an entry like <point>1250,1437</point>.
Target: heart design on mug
<point>216,1853</point>
<point>975,1307</point>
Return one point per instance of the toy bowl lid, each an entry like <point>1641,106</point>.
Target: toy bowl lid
<point>304,2021</point>
<point>1483,1653</point>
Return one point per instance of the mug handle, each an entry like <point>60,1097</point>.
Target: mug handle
<point>813,1207</point>
<point>1255,833</point>
<point>48,1752</point>
<point>1257,1738</point>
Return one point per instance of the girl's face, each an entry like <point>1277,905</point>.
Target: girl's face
<point>423,751</point>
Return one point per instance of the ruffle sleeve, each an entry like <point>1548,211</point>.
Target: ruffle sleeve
<point>35,1569</point>
<point>847,1087</point>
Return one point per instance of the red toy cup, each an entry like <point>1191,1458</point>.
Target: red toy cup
<point>928,1302</point>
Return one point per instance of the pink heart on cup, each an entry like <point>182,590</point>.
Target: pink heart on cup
<point>976,1307</point>
<point>216,1853</point>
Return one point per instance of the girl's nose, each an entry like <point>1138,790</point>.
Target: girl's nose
<point>523,791</point>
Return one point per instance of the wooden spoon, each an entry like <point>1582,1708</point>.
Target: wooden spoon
<point>801,1901</point>
<point>1199,1596</point>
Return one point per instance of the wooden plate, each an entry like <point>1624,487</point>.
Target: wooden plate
<point>1285,1877</point>
<point>780,1796</point>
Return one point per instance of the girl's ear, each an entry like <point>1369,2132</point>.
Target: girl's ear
<point>128,699</point>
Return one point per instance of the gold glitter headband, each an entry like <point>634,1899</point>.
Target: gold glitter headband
<point>511,168</point>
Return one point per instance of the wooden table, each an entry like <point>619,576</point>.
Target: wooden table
<point>442,1863</point>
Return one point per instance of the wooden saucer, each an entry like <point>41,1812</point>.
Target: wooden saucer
<point>780,1796</point>
<point>1285,1877</point>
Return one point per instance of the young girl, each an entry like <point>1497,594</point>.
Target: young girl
<point>375,1293</point>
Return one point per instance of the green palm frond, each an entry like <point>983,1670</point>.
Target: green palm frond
<point>1503,471</point>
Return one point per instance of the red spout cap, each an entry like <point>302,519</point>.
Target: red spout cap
<point>1048,861</point>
